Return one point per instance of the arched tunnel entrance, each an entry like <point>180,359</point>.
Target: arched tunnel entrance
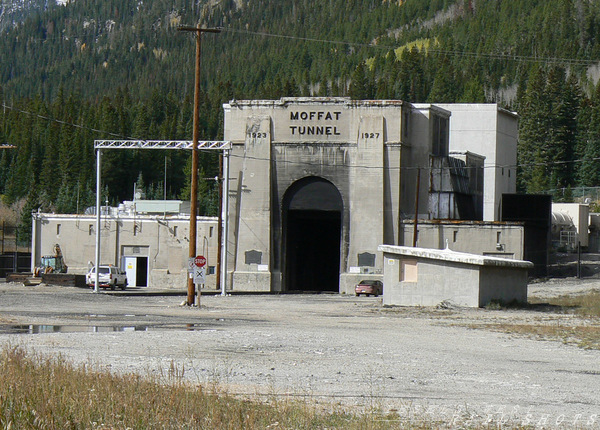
<point>312,225</point>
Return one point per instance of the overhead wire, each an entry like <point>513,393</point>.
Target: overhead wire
<point>83,127</point>
<point>494,56</point>
<point>375,45</point>
<point>307,163</point>
<point>498,56</point>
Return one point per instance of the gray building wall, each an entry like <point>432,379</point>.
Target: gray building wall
<point>164,241</point>
<point>498,239</point>
<point>355,141</point>
<point>492,132</point>
<point>369,152</point>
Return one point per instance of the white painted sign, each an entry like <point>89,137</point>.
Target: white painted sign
<point>199,275</point>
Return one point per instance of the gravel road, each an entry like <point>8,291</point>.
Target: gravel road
<point>330,349</point>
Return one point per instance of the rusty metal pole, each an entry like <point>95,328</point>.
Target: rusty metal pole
<point>191,288</point>
<point>417,207</point>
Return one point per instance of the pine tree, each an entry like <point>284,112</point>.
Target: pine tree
<point>360,86</point>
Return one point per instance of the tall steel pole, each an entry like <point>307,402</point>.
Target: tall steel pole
<point>220,223</point>
<point>98,214</point>
<point>191,288</point>
<point>225,210</point>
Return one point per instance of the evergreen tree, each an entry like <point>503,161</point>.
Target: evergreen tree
<point>444,88</point>
<point>360,85</point>
<point>533,126</point>
<point>589,172</point>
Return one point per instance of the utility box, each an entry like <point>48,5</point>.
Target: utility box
<point>428,277</point>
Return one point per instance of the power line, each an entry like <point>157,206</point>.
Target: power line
<point>307,163</point>
<point>373,45</point>
<point>497,56</point>
<point>83,127</point>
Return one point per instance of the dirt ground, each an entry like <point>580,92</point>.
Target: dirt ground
<point>330,349</point>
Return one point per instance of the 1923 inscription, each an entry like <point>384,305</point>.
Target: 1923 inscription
<point>257,135</point>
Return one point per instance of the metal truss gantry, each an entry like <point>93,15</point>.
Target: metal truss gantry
<point>161,144</point>
<point>217,145</point>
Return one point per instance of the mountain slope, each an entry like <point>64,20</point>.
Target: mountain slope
<point>122,67</point>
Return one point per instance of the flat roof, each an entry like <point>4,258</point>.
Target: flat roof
<point>455,257</point>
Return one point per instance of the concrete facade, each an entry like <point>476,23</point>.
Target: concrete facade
<point>158,244</point>
<point>317,184</point>
<point>490,131</point>
<point>498,239</point>
<point>427,277</point>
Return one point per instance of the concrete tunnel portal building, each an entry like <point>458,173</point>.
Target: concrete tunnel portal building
<point>317,184</point>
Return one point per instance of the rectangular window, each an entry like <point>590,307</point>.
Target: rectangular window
<point>91,229</point>
<point>175,231</point>
<point>439,144</point>
<point>498,234</point>
<point>210,233</point>
<point>408,271</point>
<point>454,235</point>
<point>135,229</point>
<point>211,269</point>
<point>58,229</point>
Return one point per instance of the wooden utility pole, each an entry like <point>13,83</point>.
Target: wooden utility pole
<point>191,288</point>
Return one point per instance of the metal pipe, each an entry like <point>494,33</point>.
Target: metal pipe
<point>225,219</point>
<point>220,222</point>
<point>98,220</point>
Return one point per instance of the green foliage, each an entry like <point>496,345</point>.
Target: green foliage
<point>124,69</point>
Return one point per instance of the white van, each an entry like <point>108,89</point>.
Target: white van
<point>108,276</point>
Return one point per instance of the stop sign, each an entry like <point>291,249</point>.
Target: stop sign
<point>200,261</point>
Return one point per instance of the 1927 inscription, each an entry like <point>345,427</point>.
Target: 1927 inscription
<point>369,135</point>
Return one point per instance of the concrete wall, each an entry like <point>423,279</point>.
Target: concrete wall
<point>426,277</point>
<point>497,239</point>
<point>252,197</point>
<point>501,285</point>
<point>163,240</point>
<point>421,137</point>
<point>488,130</point>
<point>355,141</point>
<point>437,282</point>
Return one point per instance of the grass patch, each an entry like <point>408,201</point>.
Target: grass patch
<point>587,305</point>
<point>583,332</point>
<point>587,337</point>
<point>39,392</point>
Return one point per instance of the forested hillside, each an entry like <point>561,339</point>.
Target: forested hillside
<point>98,69</point>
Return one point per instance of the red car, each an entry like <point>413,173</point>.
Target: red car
<point>368,287</point>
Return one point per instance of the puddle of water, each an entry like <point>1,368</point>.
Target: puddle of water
<point>38,328</point>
